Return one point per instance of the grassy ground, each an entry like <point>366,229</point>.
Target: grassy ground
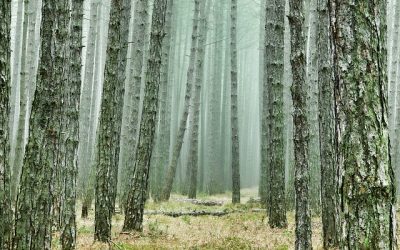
<point>241,230</point>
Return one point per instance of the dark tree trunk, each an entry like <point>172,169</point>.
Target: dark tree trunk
<point>366,178</point>
<point>33,229</point>
<point>329,191</point>
<point>234,107</point>
<point>110,121</point>
<point>299,94</point>
<point>137,193</point>
<point>274,48</point>
<point>71,128</point>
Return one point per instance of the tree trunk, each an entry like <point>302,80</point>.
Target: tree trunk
<point>301,130</point>
<point>110,121</point>
<point>71,126</point>
<point>137,194</point>
<point>5,80</point>
<point>329,189</point>
<point>366,177</point>
<point>130,115</point>
<point>234,107</point>
<point>171,170</point>
<point>34,203</point>
<point>274,48</point>
<point>164,125</point>
<point>195,105</point>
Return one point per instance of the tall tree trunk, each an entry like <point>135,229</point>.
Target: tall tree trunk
<point>130,115</point>
<point>171,170</point>
<point>195,105</point>
<point>33,223</point>
<point>137,193</point>
<point>274,48</point>
<point>84,165</point>
<point>110,120</point>
<point>5,80</point>
<point>164,126</point>
<point>329,188</point>
<point>301,131</point>
<point>234,107</point>
<point>71,127</point>
<point>366,181</point>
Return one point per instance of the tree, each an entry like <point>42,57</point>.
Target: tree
<point>137,193</point>
<point>171,169</point>
<point>5,171</point>
<point>329,188</point>
<point>71,128</point>
<point>273,84</point>
<point>234,107</point>
<point>299,94</point>
<point>110,120</point>
<point>195,105</point>
<point>366,175</point>
<point>130,115</point>
<point>34,203</point>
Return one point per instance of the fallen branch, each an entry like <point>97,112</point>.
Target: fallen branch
<point>189,213</point>
<point>202,202</point>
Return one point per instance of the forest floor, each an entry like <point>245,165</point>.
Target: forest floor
<point>244,227</point>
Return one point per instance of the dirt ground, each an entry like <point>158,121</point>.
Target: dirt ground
<point>245,229</point>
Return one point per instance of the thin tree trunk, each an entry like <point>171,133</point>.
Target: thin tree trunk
<point>5,170</point>
<point>195,105</point>
<point>234,107</point>
<point>137,194</point>
<point>366,177</point>
<point>171,170</point>
<point>301,131</point>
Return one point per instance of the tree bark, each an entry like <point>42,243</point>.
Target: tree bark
<point>274,66</point>
<point>34,203</point>
<point>234,107</point>
<point>130,115</point>
<point>366,177</point>
<point>5,170</point>
<point>329,187</point>
<point>110,120</point>
<point>301,130</point>
<point>138,191</point>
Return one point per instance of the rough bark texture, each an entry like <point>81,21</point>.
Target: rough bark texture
<point>234,107</point>
<point>108,139</point>
<point>171,170</point>
<point>329,187</point>
<point>130,116</point>
<point>299,94</point>
<point>5,79</point>
<point>34,202</point>
<point>367,190</point>
<point>138,190</point>
<point>71,129</point>
<point>274,48</point>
